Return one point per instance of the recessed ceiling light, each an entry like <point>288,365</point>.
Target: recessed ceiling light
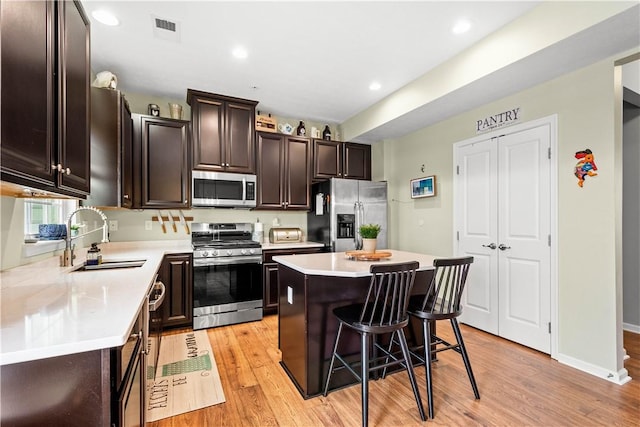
<point>374,86</point>
<point>240,52</point>
<point>461,26</point>
<point>104,17</point>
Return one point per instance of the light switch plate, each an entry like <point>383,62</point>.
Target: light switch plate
<point>148,225</point>
<point>113,225</point>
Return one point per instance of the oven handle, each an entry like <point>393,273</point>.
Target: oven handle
<point>157,302</point>
<point>198,262</point>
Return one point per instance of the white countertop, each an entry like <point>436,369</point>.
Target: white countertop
<point>47,310</point>
<point>297,245</point>
<point>337,264</point>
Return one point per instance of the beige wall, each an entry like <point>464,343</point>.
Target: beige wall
<point>584,102</point>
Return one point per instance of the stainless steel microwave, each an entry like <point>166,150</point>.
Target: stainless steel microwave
<point>223,190</point>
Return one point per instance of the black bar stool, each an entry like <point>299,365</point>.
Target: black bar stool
<point>441,302</point>
<point>383,312</point>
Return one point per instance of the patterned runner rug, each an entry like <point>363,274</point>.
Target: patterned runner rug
<point>186,377</point>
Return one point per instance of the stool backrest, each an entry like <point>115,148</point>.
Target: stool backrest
<point>445,291</point>
<point>388,295</point>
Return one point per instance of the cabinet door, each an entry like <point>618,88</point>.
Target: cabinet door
<point>27,135</point>
<point>298,173</point>
<point>357,161</point>
<point>239,132</point>
<point>176,274</point>
<point>271,166</point>
<point>327,159</point>
<point>126,155</point>
<point>73,98</point>
<point>165,170</point>
<point>208,130</point>
<point>270,277</point>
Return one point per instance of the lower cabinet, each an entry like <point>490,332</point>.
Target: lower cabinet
<point>270,275</point>
<point>94,388</point>
<point>177,276</point>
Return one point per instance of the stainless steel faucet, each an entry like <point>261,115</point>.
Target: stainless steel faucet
<point>68,256</point>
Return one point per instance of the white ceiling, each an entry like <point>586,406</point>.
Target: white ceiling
<point>308,60</point>
<point>315,60</point>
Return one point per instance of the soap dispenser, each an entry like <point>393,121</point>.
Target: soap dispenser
<point>94,257</point>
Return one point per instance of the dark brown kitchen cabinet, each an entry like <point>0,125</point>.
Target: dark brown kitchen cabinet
<point>336,159</point>
<point>284,171</point>
<point>223,130</point>
<point>270,275</point>
<point>176,274</point>
<point>161,162</point>
<point>45,96</point>
<point>111,139</point>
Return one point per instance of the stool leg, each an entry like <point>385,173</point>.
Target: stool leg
<point>412,376</point>
<point>333,359</point>
<point>365,378</point>
<point>465,357</point>
<point>426,328</point>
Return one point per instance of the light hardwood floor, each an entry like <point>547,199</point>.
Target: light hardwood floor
<point>518,387</point>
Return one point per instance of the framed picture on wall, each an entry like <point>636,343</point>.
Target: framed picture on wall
<point>423,187</point>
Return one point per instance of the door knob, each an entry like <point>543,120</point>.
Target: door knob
<point>503,247</point>
<point>490,246</point>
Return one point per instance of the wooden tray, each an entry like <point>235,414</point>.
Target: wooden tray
<point>367,256</point>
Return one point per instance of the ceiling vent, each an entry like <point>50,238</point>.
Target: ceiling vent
<point>163,24</point>
<point>165,29</point>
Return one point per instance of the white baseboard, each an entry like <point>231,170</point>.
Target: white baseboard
<point>620,377</point>
<point>631,328</point>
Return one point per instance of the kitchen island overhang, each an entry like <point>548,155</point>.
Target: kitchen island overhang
<point>310,287</point>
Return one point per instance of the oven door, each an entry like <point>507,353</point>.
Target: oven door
<point>226,291</point>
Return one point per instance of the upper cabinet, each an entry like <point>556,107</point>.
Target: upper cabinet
<point>284,174</point>
<point>45,104</point>
<point>223,132</point>
<point>335,159</point>
<point>162,174</point>
<point>111,139</point>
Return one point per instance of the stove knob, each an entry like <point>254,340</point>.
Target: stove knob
<point>252,251</point>
<point>205,254</point>
<point>243,251</point>
<point>214,253</point>
<point>229,252</point>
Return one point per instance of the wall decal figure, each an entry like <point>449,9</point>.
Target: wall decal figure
<point>585,166</point>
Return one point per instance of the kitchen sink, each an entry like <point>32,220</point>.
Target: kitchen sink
<point>111,264</point>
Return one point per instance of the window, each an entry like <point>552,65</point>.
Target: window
<point>46,211</point>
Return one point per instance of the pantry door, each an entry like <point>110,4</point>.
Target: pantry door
<point>510,284</point>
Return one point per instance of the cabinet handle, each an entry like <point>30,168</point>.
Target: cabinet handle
<point>490,246</point>
<point>126,197</point>
<point>68,171</point>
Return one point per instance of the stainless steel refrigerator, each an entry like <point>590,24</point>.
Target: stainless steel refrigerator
<point>340,206</point>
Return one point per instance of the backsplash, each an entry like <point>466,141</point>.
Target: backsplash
<point>131,226</point>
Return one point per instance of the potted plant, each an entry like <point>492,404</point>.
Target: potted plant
<point>369,233</point>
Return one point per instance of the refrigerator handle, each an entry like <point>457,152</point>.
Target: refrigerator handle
<point>356,232</point>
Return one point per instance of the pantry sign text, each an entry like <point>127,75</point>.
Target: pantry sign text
<point>499,120</point>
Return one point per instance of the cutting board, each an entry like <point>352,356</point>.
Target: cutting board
<point>368,256</point>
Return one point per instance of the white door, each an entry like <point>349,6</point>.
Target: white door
<point>503,220</point>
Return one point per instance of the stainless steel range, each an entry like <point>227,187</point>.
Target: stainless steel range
<point>227,274</point>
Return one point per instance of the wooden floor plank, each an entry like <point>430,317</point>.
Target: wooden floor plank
<point>518,387</point>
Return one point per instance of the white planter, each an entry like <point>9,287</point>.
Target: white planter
<point>369,245</point>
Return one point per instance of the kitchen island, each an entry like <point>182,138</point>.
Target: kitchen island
<point>310,287</point>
